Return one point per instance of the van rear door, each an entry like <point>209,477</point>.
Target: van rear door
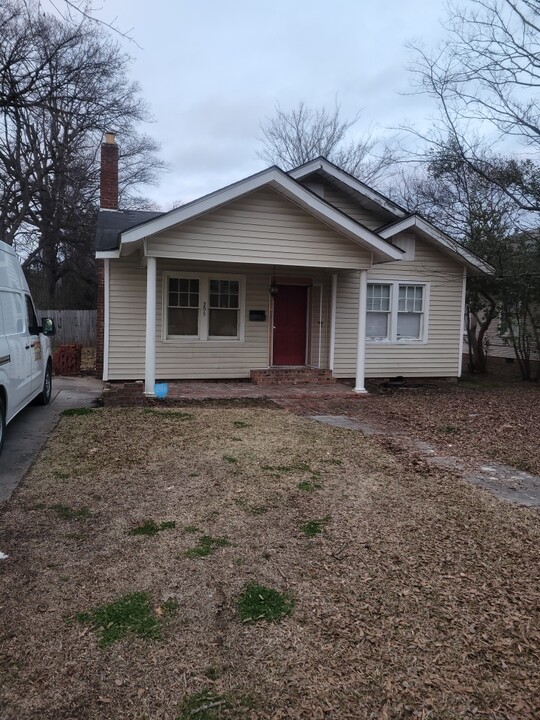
<point>19,348</point>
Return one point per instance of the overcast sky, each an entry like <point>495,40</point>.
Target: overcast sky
<point>212,70</point>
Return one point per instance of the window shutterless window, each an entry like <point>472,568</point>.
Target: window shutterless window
<point>223,308</point>
<point>378,315</point>
<point>183,307</point>
<point>203,307</point>
<point>396,312</point>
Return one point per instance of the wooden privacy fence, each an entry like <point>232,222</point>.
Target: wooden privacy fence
<point>72,326</point>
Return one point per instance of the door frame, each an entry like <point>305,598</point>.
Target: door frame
<point>295,282</point>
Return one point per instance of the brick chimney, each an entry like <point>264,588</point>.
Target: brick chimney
<point>108,185</point>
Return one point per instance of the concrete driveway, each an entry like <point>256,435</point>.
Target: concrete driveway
<point>27,432</point>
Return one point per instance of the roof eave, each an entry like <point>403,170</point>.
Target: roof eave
<point>444,241</point>
<point>325,166</point>
<point>282,183</point>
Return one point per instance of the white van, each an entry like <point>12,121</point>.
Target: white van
<point>25,348</point>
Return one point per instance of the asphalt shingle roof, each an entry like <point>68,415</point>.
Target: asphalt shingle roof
<point>111,223</point>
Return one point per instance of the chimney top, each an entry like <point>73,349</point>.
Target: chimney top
<point>108,191</point>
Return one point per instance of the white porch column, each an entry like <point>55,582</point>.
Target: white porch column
<point>361,347</point>
<point>150,358</point>
<point>333,307</point>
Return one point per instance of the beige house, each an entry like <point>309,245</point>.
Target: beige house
<point>307,269</point>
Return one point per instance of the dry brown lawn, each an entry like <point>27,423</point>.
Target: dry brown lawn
<point>419,599</point>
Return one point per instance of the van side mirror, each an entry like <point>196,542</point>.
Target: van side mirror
<point>47,327</point>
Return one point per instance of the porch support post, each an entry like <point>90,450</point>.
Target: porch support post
<point>333,306</point>
<point>361,347</point>
<point>150,358</point>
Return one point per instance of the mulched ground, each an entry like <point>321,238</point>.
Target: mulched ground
<point>419,600</point>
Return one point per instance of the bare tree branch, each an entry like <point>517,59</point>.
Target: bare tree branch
<point>294,137</point>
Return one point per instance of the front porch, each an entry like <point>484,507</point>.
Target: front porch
<point>288,325</point>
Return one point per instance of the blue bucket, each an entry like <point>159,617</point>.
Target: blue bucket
<point>161,390</point>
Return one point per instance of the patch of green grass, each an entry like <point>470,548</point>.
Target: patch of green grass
<point>211,673</point>
<point>150,527</point>
<point>258,602</point>
<point>177,414</point>
<point>131,614</point>
<point>230,459</point>
<point>333,461</point>
<point>307,486</point>
<point>206,545</point>
<point>205,705</point>
<point>68,513</point>
<point>73,412</point>
<point>61,475</point>
<point>314,527</point>
<point>241,424</point>
<point>191,529</point>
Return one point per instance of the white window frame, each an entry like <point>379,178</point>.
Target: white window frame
<point>392,338</point>
<point>204,307</point>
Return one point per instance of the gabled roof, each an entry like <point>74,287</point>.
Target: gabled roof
<point>439,238</point>
<point>276,179</point>
<point>110,223</point>
<point>324,166</point>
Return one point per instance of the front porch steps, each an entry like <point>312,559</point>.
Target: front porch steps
<point>292,376</point>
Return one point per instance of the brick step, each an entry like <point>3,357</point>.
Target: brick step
<point>292,376</point>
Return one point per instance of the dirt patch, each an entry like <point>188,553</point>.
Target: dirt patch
<point>88,360</point>
<point>418,600</point>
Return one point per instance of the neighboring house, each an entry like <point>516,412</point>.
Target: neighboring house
<point>494,342</point>
<point>310,268</point>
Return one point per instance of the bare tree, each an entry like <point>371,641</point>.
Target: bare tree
<point>480,215</point>
<point>49,144</point>
<point>294,137</point>
<point>486,76</point>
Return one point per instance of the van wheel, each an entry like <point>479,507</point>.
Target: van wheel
<point>2,423</point>
<point>44,396</point>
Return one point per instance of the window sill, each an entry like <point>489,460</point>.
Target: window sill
<point>181,340</point>
<point>397,342</point>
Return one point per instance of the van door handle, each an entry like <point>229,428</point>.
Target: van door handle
<point>27,347</point>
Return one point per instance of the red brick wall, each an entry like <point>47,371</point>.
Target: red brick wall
<point>127,394</point>
<point>100,323</point>
<point>108,183</point>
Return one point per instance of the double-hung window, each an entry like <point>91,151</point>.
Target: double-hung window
<point>202,307</point>
<point>223,308</point>
<point>397,312</point>
<point>183,306</point>
<point>378,316</point>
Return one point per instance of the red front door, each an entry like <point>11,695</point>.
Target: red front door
<point>290,314</point>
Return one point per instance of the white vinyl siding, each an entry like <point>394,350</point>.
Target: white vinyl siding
<point>185,358</point>
<point>439,356</point>
<point>264,228</point>
<point>127,319</point>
